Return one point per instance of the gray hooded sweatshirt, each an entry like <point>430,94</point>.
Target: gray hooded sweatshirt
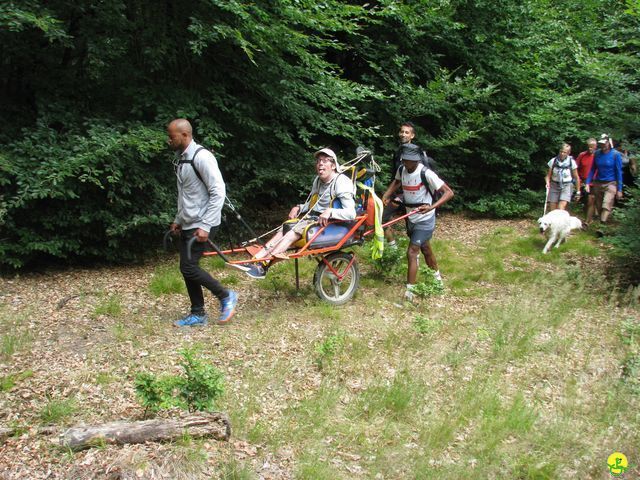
<point>199,202</point>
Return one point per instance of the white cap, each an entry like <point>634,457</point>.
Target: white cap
<point>330,153</point>
<point>604,138</point>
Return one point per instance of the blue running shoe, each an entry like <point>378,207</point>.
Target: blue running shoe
<point>257,271</point>
<point>228,307</point>
<point>192,320</point>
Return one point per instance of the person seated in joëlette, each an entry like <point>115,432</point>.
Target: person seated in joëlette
<point>331,198</point>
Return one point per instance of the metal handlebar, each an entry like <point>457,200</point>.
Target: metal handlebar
<point>213,245</point>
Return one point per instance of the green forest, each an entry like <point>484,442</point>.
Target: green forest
<point>87,88</point>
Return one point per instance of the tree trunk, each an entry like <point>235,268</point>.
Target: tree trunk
<point>214,425</point>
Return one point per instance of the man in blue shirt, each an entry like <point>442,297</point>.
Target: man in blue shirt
<point>607,186</point>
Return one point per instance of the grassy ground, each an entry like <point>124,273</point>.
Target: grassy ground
<point>527,367</point>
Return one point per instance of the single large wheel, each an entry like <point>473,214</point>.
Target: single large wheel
<point>337,277</point>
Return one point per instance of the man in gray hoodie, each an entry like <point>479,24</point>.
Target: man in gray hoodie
<point>201,193</point>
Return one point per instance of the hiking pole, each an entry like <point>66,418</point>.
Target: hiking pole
<point>546,199</point>
<point>239,217</point>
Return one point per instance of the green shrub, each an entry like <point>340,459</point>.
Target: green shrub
<point>508,204</point>
<point>196,390</point>
<point>91,193</point>
<point>625,238</point>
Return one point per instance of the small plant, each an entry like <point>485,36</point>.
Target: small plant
<point>111,307</point>
<point>196,390</point>
<point>10,381</point>
<point>327,349</point>
<point>630,334</point>
<point>57,410</point>
<point>425,325</point>
<point>430,286</point>
<point>12,342</point>
<point>392,260</point>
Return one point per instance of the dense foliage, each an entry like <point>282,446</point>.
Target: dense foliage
<point>625,237</point>
<point>87,88</point>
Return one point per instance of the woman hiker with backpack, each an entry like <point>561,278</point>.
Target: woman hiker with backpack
<point>562,173</point>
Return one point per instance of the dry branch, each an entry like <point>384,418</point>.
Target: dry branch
<point>214,425</point>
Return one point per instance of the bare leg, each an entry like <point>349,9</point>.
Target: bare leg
<point>283,245</point>
<point>412,263</point>
<point>562,205</point>
<point>388,235</point>
<point>278,244</point>
<point>591,206</point>
<point>429,257</point>
<point>552,206</point>
<point>266,250</point>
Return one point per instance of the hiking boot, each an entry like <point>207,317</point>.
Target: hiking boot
<point>257,271</point>
<point>192,320</point>
<point>228,307</point>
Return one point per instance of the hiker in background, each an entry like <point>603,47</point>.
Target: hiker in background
<point>584,162</point>
<point>607,172</point>
<point>394,208</point>
<point>629,165</point>
<point>328,186</point>
<point>419,186</point>
<point>201,193</point>
<point>561,174</point>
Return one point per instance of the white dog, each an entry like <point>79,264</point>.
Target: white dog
<point>559,223</point>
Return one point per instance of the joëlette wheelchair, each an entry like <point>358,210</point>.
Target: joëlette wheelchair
<point>337,275</point>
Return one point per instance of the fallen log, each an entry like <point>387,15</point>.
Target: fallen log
<point>215,425</point>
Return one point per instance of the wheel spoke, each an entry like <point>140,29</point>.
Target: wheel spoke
<point>336,289</point>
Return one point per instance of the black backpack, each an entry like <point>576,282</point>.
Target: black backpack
<point>429,162</point>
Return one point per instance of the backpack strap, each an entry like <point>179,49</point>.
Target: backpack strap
<point>191,162</point>
<point>423,178</point>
